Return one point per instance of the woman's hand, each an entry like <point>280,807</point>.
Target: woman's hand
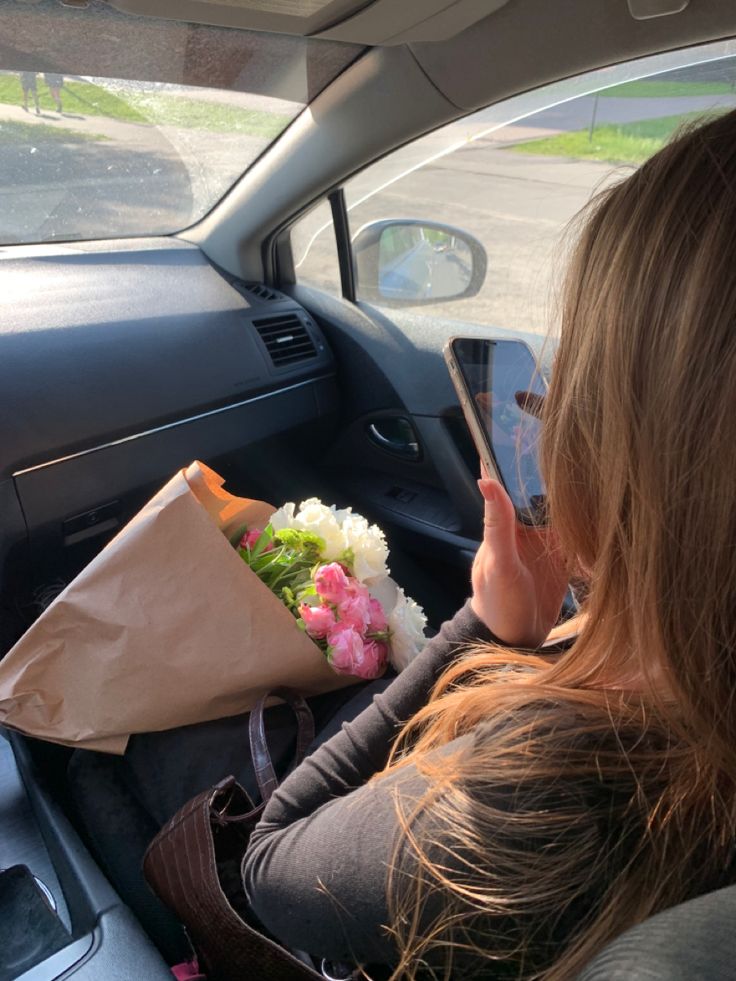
<point>519,577</point>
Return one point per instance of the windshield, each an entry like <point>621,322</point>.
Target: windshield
<point>114,125</point>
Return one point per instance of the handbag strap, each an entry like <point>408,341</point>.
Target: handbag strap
<point>193,865</point>
<point>262,763</point>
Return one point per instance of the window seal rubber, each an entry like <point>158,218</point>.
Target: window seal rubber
<point>341,227</point>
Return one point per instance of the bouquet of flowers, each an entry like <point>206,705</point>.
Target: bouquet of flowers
<point>193,612</point>
<point>329,568</point>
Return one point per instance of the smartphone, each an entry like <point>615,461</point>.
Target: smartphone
<point>500,387</point>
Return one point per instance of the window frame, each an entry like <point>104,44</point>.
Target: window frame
<point>280,266</point>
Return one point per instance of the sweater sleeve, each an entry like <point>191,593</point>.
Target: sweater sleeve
<point>319,884</point>
<point>316,866</point>
<point>362,747</point>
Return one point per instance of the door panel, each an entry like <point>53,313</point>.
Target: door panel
<point>395,369</point>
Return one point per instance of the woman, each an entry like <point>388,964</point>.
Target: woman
<point>29,86</point>
<point>535,807</point>
<point>54,83</point>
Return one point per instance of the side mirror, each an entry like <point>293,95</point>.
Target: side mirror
<point>403,262</point>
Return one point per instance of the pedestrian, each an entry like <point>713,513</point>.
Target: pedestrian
<point>55,84</point>
<point>28,84</point>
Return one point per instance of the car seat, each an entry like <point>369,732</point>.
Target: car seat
<point>695,941</point>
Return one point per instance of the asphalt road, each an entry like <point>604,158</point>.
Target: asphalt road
<point>109,178</point>
<point>516,205</point>
<point>91,188</point>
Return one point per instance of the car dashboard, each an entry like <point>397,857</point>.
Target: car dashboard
<point>120,365</point>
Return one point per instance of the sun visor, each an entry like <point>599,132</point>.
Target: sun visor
<point>353,21</point>
<point>300,17</point>
<point>99,41</point>
<point>524,45</point>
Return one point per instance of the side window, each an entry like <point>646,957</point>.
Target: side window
<point>478,209</point>
<point>314,249</point>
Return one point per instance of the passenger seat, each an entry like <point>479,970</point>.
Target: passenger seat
<point>695,941</point>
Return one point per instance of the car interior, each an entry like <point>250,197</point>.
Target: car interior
<point>154,312</point>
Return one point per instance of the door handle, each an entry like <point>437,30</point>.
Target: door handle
<point>396,435</point>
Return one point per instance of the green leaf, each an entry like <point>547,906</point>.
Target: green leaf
<point>262,564</point>
<point>237,536</point>
<point>265,539</point>
<point>348,559</point>
<point>301,541</point>
<point>290,600</point>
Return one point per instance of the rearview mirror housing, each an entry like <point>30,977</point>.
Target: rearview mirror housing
<point>406,262</point>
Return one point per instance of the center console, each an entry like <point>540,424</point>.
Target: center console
<point>63,916</point>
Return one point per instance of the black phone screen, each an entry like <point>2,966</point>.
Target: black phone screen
<point>497,376</point>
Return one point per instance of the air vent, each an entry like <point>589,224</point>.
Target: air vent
<point>262,292</point>
<point>286,339</point>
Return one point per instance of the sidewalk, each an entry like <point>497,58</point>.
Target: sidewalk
<point>111,129</point>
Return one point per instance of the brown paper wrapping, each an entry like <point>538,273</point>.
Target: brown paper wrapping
<point>166,626</point>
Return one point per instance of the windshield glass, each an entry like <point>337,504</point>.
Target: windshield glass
<point>114,125</point>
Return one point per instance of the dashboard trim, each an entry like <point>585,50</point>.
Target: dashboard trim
<point>173,425</point>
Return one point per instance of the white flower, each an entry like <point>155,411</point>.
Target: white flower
<point>385,590</point>
<point>406,622</point>
<point>316,517</point>
<point>283,517</point>
<point>341,514</point>
<point>342,531</point>
<point>368,545</point>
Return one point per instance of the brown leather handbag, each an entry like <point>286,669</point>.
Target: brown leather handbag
<point>193,866</point>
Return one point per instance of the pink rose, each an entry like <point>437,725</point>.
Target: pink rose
<point>319,620</point>
<point>331,582</point>
<point>378,621</point>
<point>355,608</point>
<point>250,538</point>
<point>345,649</point>
<point>348,653</point>
<point>375,659</point>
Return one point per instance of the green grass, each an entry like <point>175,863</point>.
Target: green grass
<point>624,143</point>
<point>654,88</point>
<point>76,97</point>
<point>155,108</point>
<point>31,133</point>
<point>92,100</point>
<point>174,110</point>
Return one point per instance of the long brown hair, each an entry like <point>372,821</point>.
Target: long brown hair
<point>595,789</point>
